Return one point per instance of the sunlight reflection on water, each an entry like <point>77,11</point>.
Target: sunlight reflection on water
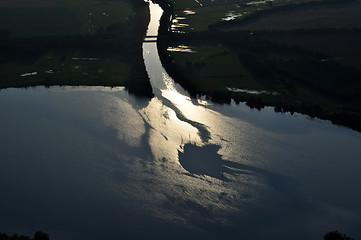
<point>245,144</point>
<point>95,163</point>
<point>167,131</point>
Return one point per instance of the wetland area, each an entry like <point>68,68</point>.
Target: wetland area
<point>203,132</point>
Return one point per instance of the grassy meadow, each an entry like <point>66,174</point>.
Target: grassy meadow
<point>210,62</point>
<point>65,69</point>
<point>341,15</point>
<point>61,17</point>
<point>199,15</point>
<point>94,14</point>
<point>73,42</point>
<point>304,67</point>
<point>280,72</point>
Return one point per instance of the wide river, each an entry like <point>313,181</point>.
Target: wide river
<point>97,163</point>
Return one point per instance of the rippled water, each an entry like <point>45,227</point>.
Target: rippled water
<point>97,163</point>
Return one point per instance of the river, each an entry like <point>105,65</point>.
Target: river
<point>98,163</point>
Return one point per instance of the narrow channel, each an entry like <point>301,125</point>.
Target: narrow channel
<point>98,163</point>
<point>236,145</point>
<point>164,87</point>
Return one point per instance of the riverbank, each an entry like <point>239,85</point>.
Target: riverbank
<point>263,73</point>
<point>98,163</point>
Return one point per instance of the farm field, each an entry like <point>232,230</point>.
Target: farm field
<point>208,62</point>
<point>342,46</point>
<point>331,29</point>
<point>311,68</point>
<point>65,69</point>
<point>274,71</point>
<point>61,17</point>
<point>66,42</point>
<point>199,15</point>
<point>339,15</point>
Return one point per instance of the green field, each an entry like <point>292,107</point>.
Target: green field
<point>198,15</point>
<point>30,22</point>
<point>94,14</point>
<point>65,68</point>
<point>64,18</point>
<point>67,42</point>
<point>29,67</point>
<point>250,69</point>
<point>331,15</point>
<point>240,60</point>
<point>286,69</point>
<point>210,62</point>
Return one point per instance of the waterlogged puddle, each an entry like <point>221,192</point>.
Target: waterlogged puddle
<point>177,18</point>
<point>176,27</point>
<point>254,92</point>
<point>189,12</point>
<point>177,24</point>
<point>29,74</point>
<point>50,71</point>
<point>233,15</point>
<point>181,48</point>
<point>85,59</point>
<point>259,2</point>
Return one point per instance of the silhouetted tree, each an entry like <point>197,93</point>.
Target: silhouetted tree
<point>335,235</point>
<point>38,236</point>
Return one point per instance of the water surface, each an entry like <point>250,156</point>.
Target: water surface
<point>98,163</point>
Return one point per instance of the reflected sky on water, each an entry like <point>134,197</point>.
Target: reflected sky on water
<point>87,163</point>
<point>97,163</point>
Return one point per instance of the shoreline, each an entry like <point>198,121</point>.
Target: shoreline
<point>347,118</point>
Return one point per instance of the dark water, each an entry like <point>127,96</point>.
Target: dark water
<point>96,163</point>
